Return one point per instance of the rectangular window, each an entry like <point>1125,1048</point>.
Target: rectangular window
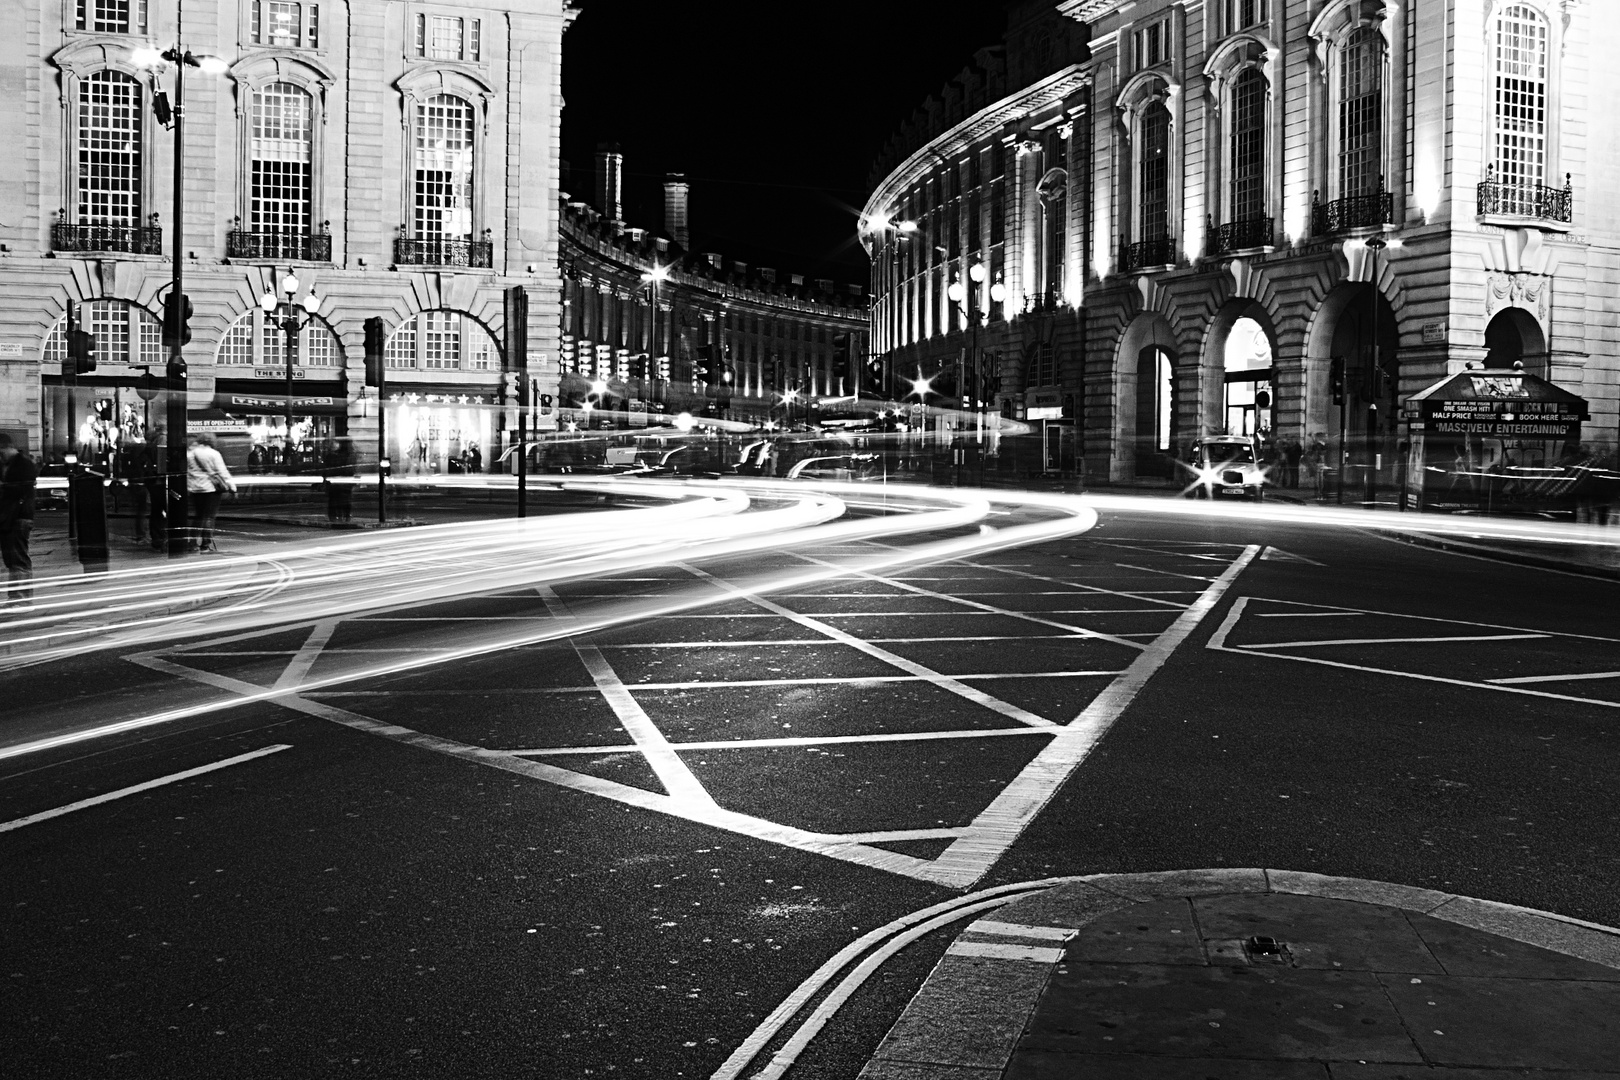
<point>111,16</point>
<point>317,347</point>
<point>237,348</point>
<point>441,339</point>
<point>1360,108</point>
<point>449,37</point>
<point>109,149</point>
<point>279,151</point>
<point>281,27</point>
<point>973,171</point>
<point>1243,14</point>
<point>1153,44</point>
<point>400,352</point>
<point>998,215</point>
<point>109,324</point>
<point>1248,151</point>
<point>1154,191</point>
<point>1520,104</point>
<point>444,169</point>
<point>975,211</point>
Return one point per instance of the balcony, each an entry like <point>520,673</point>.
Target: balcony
<point>134,239</point>
<point>278,246</point>
<point>1526,200</point>
<point>1241,235</point>
<point>1159,252</point>
<point>437,251</point>
<point>1043,302</point>
<point>1352,212</point>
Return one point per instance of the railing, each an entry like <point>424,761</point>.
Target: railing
<point>479,254</point>
<point>1526,200</point>
<point>276,246</point>
<point>1160,252</point>
<point>1042,302</point>
<point>1251,232</point>
<point>135,239</point>
<point>1352,212</point>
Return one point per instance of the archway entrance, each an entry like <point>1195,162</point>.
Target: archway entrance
<point>1513,336</point>
<point>1155,411</point>
<point>1364,406</point>
<point>1249,392</point>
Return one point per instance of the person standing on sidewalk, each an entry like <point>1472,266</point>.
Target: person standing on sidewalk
<point>17,479</point>
<point>207,479</point>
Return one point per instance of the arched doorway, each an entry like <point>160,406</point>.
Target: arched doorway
<point>1249,394</point>
<point>1146,431</point>
<point>1363,407</point>
<point>1513,336</point>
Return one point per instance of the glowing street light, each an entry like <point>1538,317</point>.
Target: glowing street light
<point>920,386</point>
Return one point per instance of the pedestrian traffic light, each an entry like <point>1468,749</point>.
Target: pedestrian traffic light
<point>375,340</point>
<point>1336,379</point>
<point>176,320</point>
<point>81,347</point>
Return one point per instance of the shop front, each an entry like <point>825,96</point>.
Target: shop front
<point>1493,439</point>
<point>95,417</point>
<point>251,427</point>
<point>441,431</point>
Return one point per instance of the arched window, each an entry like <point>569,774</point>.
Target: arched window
<point>1248,147</point>
<point>443,181</point>
<point>1519,107</point>
<point>280,177</point>
<point>441,340</point>
<point>1361,108</point>
<point>125,333</point>
<point>257,340</point>
<point>109,151</point>
<point>1154,176</point>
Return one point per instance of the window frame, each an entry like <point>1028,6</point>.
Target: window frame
<point>1145,91</point>
<point>259,326</point>
<point>77,19</point>
<point>419,36</point>
<point>466,354</point>
<point>254,74</point>
<point>1229,61</point>
<point>417,87</point>
<point>78,62</point>
<point>1554,42</point>
<point>141,332</point>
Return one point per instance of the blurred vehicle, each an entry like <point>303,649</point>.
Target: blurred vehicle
<point>1227,465</point>
<point>835,467</point>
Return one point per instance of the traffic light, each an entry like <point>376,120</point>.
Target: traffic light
<point>638,367</point>
<point>375,340</point>
<point>709,365</point>
<point>176,320</point>
<point>1336,379</point>
<point>516,383</point>
<point>81,347</point>
<point>843,372</point>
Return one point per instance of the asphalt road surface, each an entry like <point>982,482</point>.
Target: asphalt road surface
<point>470,835</point>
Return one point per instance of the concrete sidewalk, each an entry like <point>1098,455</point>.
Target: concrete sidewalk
<point>1249,974</point>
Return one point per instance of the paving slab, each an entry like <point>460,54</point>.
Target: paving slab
<point>1520,1023</point>
<point>1157,931</point>
<point>1358,1071</point>
<point>1183,1011</point>
<point>1466,950</point>
<point>1038,1066</point>
<point>1321,934</point>
<point>934,1029</point>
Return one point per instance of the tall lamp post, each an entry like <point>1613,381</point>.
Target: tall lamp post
<point>653,278</point>
<point>886,233</point>
<point>976,314</point>
<point>154,61</point>
<point>291,323</point>
<point>1375,244</point>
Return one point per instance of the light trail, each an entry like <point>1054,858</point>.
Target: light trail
<point>816,529</point>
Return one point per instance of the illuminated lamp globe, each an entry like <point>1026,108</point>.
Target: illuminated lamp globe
<point>976,272</point>
<point>956,291</point>
<point>268,302</point>
<point>289,285</point>
<point>998,292</point>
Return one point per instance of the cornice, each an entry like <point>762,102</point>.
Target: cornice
<point>1087,10</point>
<point>981,125</point>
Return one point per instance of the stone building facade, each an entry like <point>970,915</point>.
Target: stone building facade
<point>399,159</point>
<point>1247,196</point>
<point>786,350</point>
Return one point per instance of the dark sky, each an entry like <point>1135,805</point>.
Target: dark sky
<point>774,110</point>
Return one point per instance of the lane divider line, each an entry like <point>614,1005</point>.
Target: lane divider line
<point>136,789</point>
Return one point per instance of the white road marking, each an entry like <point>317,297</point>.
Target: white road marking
<point>1577,677</point>
<point>944,682</point>
<point>999,824</point>
<point>1311,615</point>
<point>995,950</point>
<point>849,680</point>
<point>672,772</point>
<point>800,740</point>
<point>1166,573</point>
<point>890,836</point>
<point>1337,610</point>
<point>298,668</point>
<point>1272,554</point>
<point>1022,930</point>
<point>1390,641</point>
<point>136,789</point>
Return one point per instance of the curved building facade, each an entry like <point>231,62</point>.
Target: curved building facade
<point>1278,218</point>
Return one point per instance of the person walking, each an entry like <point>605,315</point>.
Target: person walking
<point>207,479</point>
<point>1292,453</point>
<point>18,477</point>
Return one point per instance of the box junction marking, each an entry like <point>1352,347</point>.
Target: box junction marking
<point>972,849</point>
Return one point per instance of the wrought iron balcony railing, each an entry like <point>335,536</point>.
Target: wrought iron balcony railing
<point>1352,212</point>
<point>134,239</point>
<point>1042,302</point>
<point>1244,233</point>
<point>1159,252</point>
<point>433,251</point>
<point>278,246</point>
<point>1526,200</point>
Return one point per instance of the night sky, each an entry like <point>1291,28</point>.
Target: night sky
<point>774,110</point>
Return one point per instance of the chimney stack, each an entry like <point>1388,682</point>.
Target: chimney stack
<point>675,221</point>
<point>610,181</point>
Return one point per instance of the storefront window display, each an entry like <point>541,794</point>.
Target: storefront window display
<point>268,450</point>
<point>436,434</point>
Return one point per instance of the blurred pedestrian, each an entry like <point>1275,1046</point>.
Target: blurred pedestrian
<point>1292,453</point>
<point>207,479</point>
<point>18,477</point>
<point>475,459</point>
<point>338,466</point>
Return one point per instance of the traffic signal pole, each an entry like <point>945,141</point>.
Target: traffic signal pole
<point>175,438</point>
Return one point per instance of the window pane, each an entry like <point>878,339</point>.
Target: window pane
<point>236,349</point>
<point>281,24</point>
<point>280,158</point>
<point>1248,146</point>
<point>1520,103</point>
<point>441,342</point>
<point>475,44</point>
<point>109,323</point>
<point>110,149</point>
<point>111,17</point>
<point>317,347</point>
<point>1155,172</point>
<point>444,169</point>
<point>400,352</point>
<point>1360,112</point>
<point>444,37</point>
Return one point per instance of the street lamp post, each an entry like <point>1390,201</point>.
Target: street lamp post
<point>1375,244</point>
<point>175,437</point>
<point>290,325</point>
<point>976,315</point>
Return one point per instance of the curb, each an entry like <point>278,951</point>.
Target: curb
<point>972,1010</point>
<point>1485,551</point>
